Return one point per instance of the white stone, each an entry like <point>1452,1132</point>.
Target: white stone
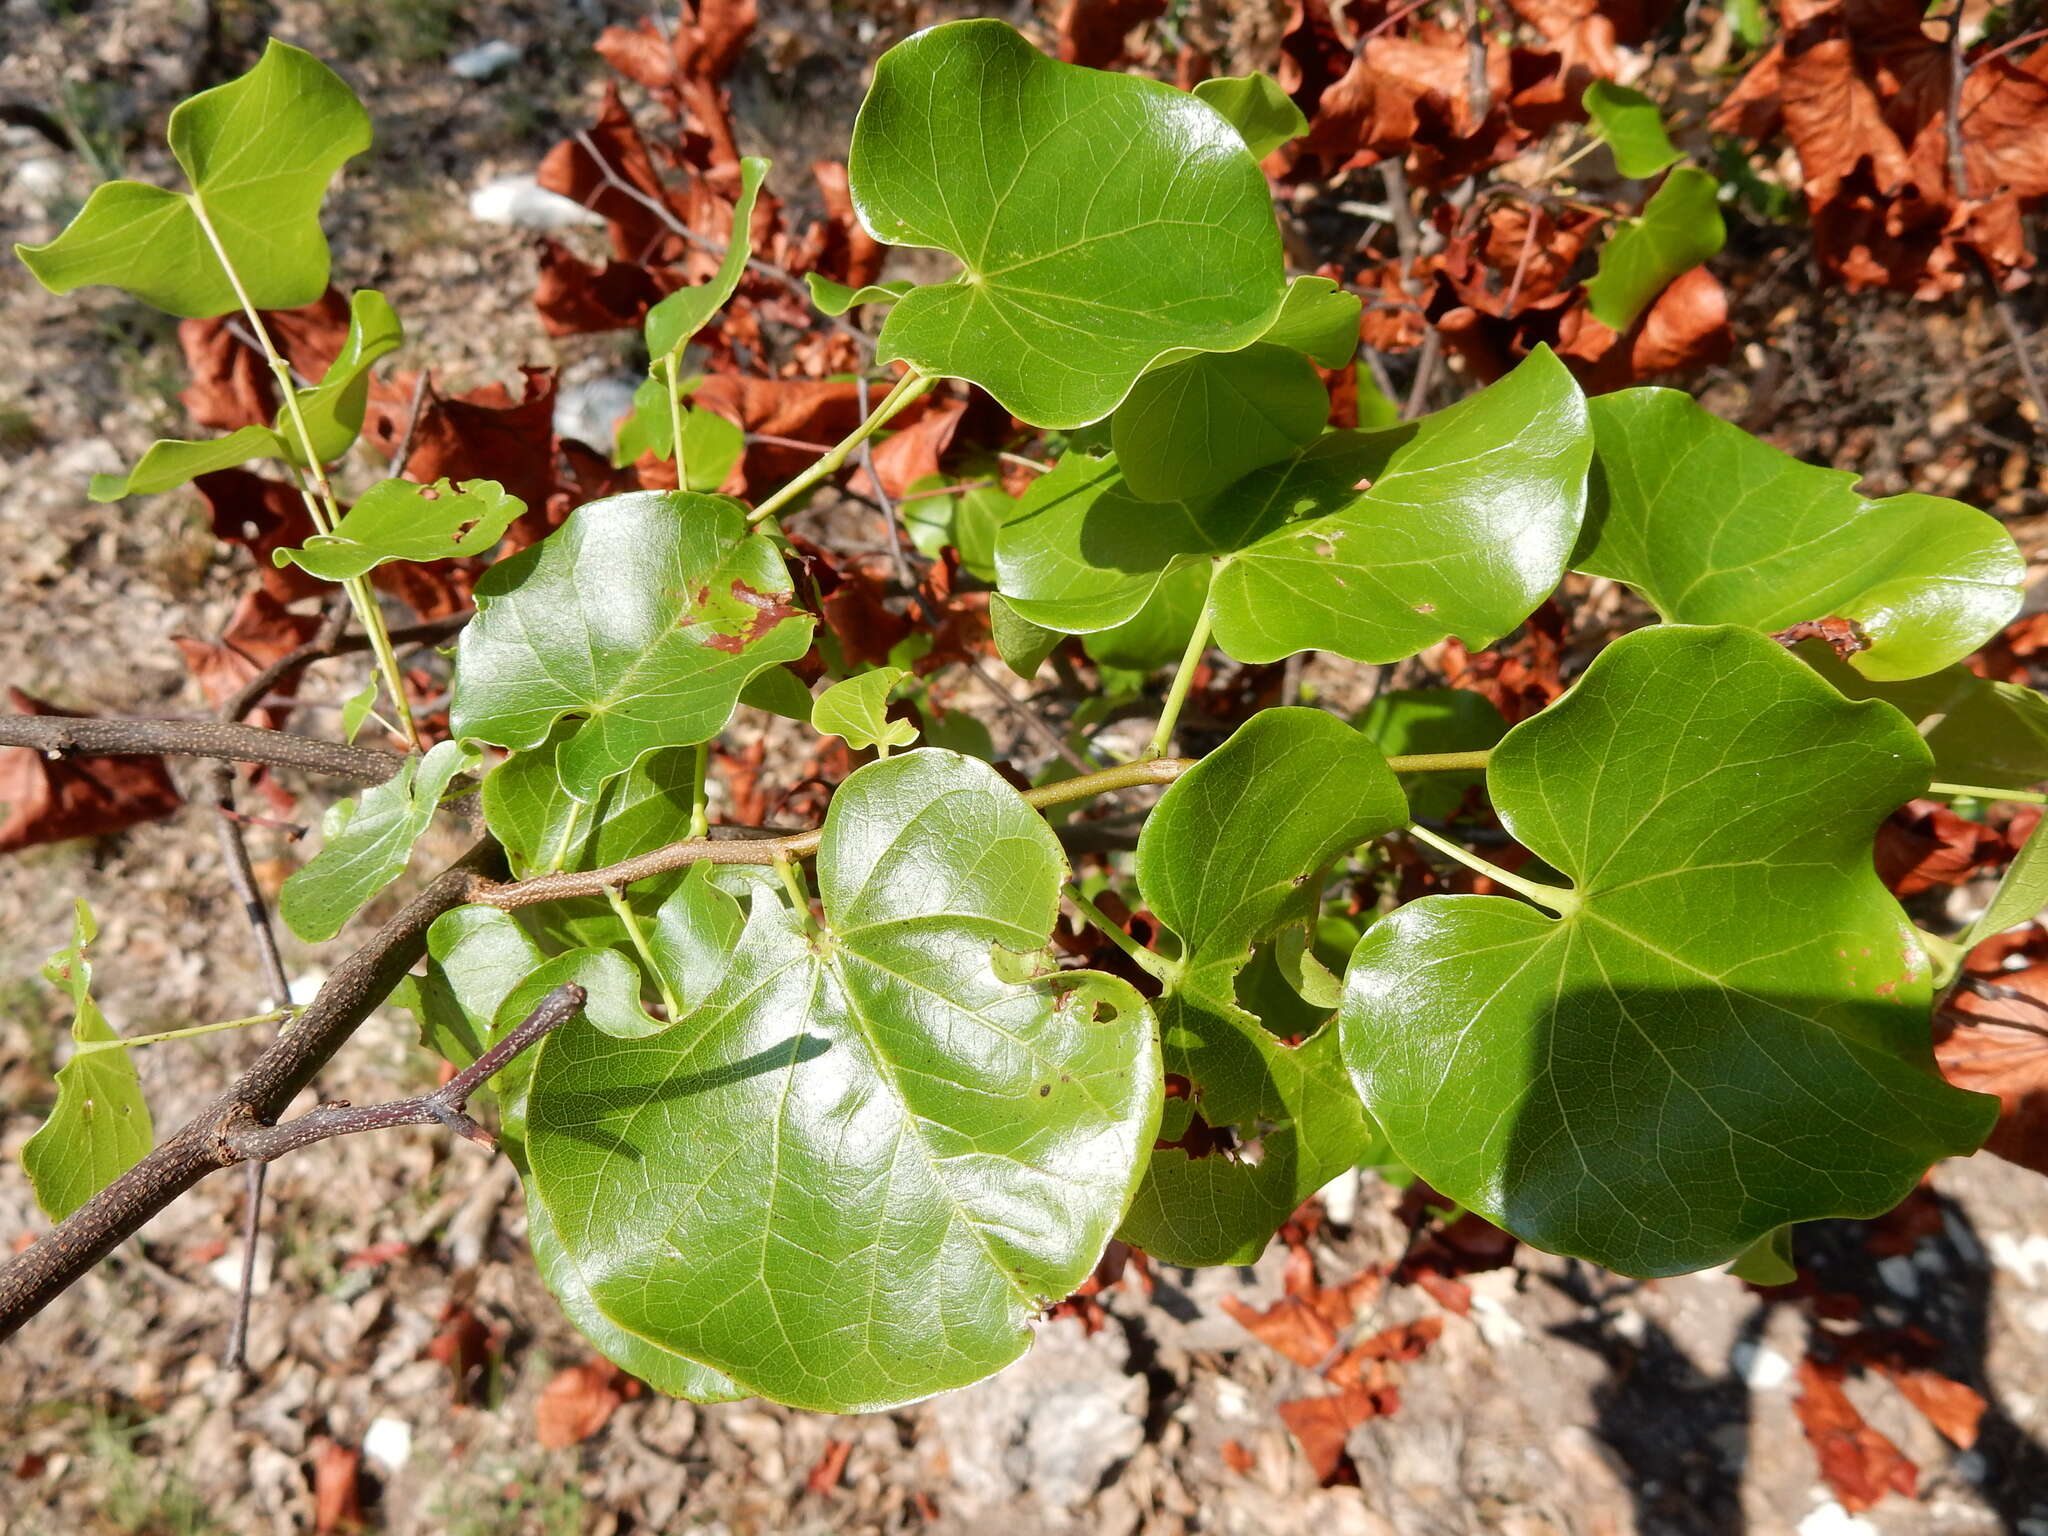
<point>1833,1520</point>
<point>1762,1368</point>
<point>522,203</point>
<point>2026,1256</point>
<point>388,1443</point>
<point>486,61</point>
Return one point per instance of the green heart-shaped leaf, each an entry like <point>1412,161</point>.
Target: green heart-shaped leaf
<point>99,1127</point>
<point>1103,220</point>
<point>1264,116</point>
<point>1729,1030</point>
<point>1628,122</point>
<point>332,411</point>
<point>543,827</point>
<point>1715,527</point>
<point>1233,853</point>
<point>1319,318</point>
<point>1374,545</point>
<point>259,153</point>
<point>643,616</point>
<point>1465,525</point>
<point>399,520</point>
<point>1680,227</point>
<point>478,982</point>
<point>711,444</point>
<point>366,844</point>
<point>860,1118</point>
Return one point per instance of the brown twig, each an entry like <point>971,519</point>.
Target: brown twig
<point>35,1277</point>
<point>730,849</point>
<point>1478,91</point>
<point>251,1140</point>
<point>1034,724</point>
<point>329,642</point>
<point>55,735</point>
<point>403,450</point>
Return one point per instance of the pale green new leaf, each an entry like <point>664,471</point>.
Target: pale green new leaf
<point>854,1172</point>
<point>1680,227</point>
<point>672,322</point>
<point>1629,124</point>
<point>1319,318</point>
<point>1262,113</point>
<point>258,153</point>
<point>543,827</point>
<point>399,520</point>
<point>643,616</point>
<point>835,299</point>
<point>711,444</point>
<point>857,711</point>
<point>1103,220</point>
<point>332,411</point>
<point>366,844</point>
<point>2021,895</point>
<point>1195,426</point>
<point>1716,527</point>
<point>1728,1031</point>
<point>1233,854</point>
<point>100,1126</point>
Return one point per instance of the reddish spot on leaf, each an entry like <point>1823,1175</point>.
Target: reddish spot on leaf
<point>47,800</point>
<point>577,1402</point>
<point>769,611</point>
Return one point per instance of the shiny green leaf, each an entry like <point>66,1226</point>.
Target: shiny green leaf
<point>1262,113</point>
<point>1465,525</point>
<point>1082,267</point>
<point>258,153</point>
<point>1680,227</point>
<point>852,1175</point>
<point>99,1127</point>
<point>857,711</point>
<point>1195,426</point>
<point>643,616</point>
<point>1022,644</point>
<point>1233,853</point>
<point>711,444</point>
<point>1729,1030</point>
<point>332,411</point>
<point>1628,122</point>
<point>543,827</point>
<point>1716,527</point>
<point>399,520</point>
<point>366,844</point>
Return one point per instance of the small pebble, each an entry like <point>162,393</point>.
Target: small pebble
<point>388,1442</point>
<point>522,203</point>
<point>486,61</point>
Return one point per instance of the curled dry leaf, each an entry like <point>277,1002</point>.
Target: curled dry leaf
<point>577,1402</point>
<point>46,800</point>
<point>1993,1038</point>
<point>1321,1424</point>
<point>1857,1462</point>
<point>337,1486</point>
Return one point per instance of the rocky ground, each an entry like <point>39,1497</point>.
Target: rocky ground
<point>1557,1400</point>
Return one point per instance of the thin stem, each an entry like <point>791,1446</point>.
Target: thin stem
<point>1439,762</point>
<point>87,1047</point>
<point>327,513</point>
<point>1183,679</point>
<point>1979,792</point>
<point>799,896</point>
<point>675,417</point>
<point>1153,965</point>
<point>1555,898</point>
<point>907,389</point>
<point>623,910</point>
<point>700,800</point>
